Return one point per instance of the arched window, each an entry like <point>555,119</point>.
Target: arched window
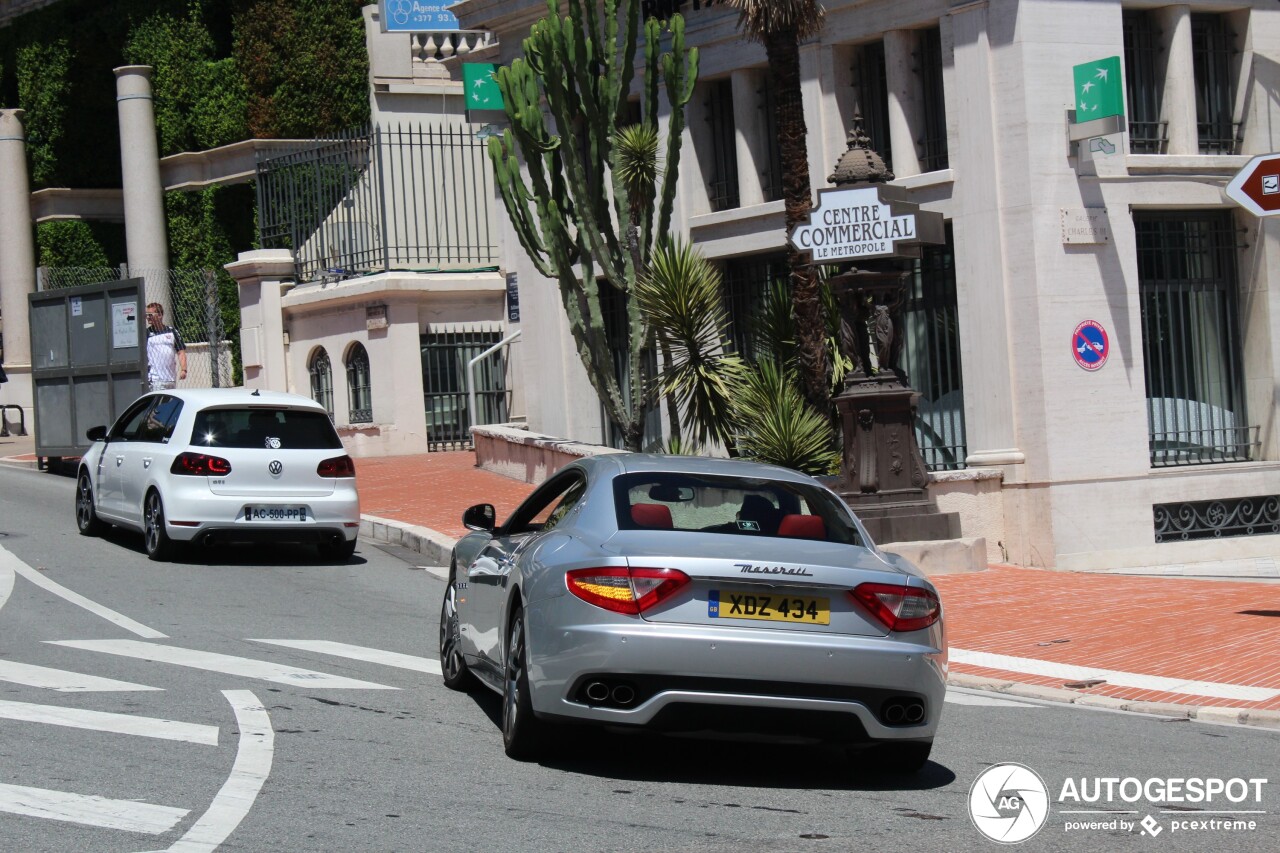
<point>359,392</point>
<point>321,379</point>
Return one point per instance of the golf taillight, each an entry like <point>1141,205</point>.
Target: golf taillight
<point>898,607</point>
<point>624,590</point>
<point>338,466</point>
<point>200,465</point>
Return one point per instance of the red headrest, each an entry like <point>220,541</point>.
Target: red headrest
<point>802,527</point>
<point>651,515</point>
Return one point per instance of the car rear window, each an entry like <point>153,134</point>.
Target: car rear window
<point>272,429</point>
<point>733,506</point>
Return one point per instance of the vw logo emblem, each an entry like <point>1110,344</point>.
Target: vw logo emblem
<point>275,467</point>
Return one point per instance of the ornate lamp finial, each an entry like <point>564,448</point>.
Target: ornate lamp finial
<point>859,164</point>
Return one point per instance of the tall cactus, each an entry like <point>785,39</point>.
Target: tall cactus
<point>575,214</point>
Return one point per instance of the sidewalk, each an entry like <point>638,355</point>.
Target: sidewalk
<point>1172,646</point>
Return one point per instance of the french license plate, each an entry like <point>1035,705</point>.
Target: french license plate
<point>769,606</point>
<point>275,513</point>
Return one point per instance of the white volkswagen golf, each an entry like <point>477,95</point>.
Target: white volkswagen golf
<point>221,465</point>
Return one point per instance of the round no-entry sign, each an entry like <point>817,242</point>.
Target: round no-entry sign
<point>1090,345</point>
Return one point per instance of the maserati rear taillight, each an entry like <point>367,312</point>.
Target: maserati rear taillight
<point>623,590</point>
<point>200,465</point>
<point>898,607</point>
<point>338,466</point>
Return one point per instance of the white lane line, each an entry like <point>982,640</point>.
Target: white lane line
<point>226,664</point>
<point>1071,672</point>
<point>6,581</point>
<point>128,815</point>
<point>248,775</point>
<point>61,679</point>
<point>364,653</point>
<point>77,599</point>
<point>103,721</point>
<point>956,698</point>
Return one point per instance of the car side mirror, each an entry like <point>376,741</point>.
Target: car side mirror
<point>96,433</point>
<point>480,517</point>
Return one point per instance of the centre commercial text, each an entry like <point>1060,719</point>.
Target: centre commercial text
<point>855,230</point>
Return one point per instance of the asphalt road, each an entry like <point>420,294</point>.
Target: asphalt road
<point>142,709</point>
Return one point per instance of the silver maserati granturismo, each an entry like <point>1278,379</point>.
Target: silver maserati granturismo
<point>694,595</point>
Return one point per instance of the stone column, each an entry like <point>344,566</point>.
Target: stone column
<point>1178,107</point>
<point>748,138</point>
<point>145,240</point>
<point>263,276</point>
<point>17,259</point>
<point>903,85</point>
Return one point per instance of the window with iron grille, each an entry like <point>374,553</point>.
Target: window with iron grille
<point>722,181</point>
<point>1143,85</point>
<point>1191,338</point>
<point>931,356</point>
<point>445,359</point>
<point>1212,47</point>
<point>873,98</point>
<point>747,282</point>
<point>771,174</point>
<point>933,142</point>
<point>359,392</point>
<point>613,307</point>
<point>321,379</point>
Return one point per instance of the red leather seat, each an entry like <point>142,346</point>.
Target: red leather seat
<point>652,515</point>
<point>802,527</point>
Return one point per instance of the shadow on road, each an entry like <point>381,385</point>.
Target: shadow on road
<point>234,555</point>
<point>648,757</point>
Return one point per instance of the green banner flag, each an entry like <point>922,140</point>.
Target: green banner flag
<point>480,86</point>
<point>1099,89</point>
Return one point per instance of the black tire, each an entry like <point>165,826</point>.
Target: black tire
<point>87,520</point>
<point>154,537</point>
<point>522,732</point>
<point>453,669</point>
<point>336,549</point>
<point>891,758</point>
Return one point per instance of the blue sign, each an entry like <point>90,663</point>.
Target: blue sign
<point>416,16</point>
<point>1090,345</point>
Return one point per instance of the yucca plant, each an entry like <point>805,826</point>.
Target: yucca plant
<point>774,423</point>
<point>680,297</point>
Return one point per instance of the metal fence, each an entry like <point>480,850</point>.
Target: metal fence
<point>1191,338</point>
<point>445,357</point>
<point>194,310</point>
<point>395,198</point>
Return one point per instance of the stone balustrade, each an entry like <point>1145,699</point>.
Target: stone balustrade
<point>430,48</point>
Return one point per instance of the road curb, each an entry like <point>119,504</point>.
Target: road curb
<point>432,544</point>
<point>1203,713</point>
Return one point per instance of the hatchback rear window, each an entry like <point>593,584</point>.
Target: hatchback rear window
<point>271,429</point>
<point>734,506</point>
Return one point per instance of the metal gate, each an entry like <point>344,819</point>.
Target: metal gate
<point>88,360</point>
<point>445,356</point>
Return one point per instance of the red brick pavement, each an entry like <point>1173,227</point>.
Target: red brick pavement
<point>432,489</point>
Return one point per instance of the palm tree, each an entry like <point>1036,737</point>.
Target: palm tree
<point>780,25</point>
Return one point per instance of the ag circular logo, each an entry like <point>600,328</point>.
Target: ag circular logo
<point>275,467</point>
<point>1090,345</point>
<point>1008,803</point>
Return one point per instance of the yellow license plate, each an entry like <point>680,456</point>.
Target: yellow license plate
<point>769,606</point>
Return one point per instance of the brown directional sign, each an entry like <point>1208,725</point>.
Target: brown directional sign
<point>1256,187</point>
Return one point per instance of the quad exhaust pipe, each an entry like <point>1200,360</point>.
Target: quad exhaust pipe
<point>614,694</point>
<point>902,712</point>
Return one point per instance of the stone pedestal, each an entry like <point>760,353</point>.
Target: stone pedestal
<point>883,477</point>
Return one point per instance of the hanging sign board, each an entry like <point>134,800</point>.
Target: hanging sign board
<point>870,221</point>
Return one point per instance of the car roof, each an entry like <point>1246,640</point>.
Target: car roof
<point>613,464</point>
<point>210,397</point>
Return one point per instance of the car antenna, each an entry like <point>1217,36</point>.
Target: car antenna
<point>255,393</point>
